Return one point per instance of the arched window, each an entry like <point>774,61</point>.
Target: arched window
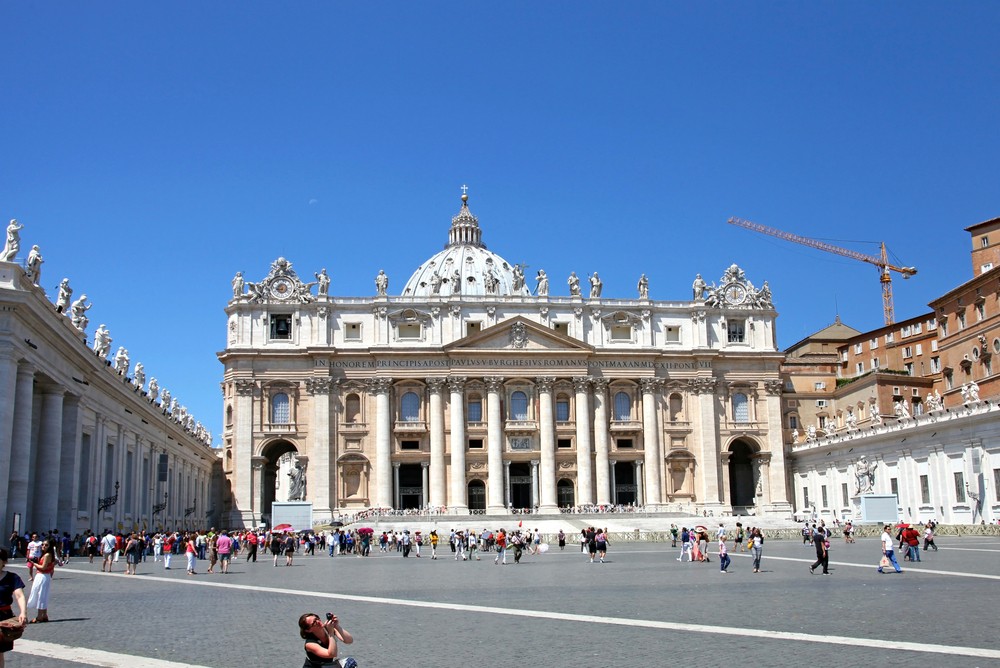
<point>352,408</point>
<point>279,409</point>
<point>519,406</point>
<point>410,407</point>
<point>623,406</point>
<point>475,408</point>
<point>229,414</point>
<point>741,408</point>
<point>676,407</point>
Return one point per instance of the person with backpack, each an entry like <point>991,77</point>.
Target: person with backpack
<point>601,540</point>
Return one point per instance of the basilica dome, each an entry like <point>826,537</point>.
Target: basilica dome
<point>466,262</point>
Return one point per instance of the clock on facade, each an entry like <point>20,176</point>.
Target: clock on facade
<point>735,293</point>
<point>282,288</point>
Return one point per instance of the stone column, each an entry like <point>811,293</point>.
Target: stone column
<point>45,504</point>
<point>384,494</point>
<point>601,442</point>
<point>777,494</point>
<point>459,488</point>
<point>437,472</point>
<point>396,496</point>
<point>494,431</point>
<point>8,385</point>
<point>320,492</point>
<point>506,484</point>
<point>640,496</point>
<point>243,451</point>
<point>547,439</point>
<point>20,450</point>
<point>614,486</point>
<point>423,483</point>
<point>651,441</point>
<point>709,455</point>
<point>534,483</point>
<point>584,488</point>
<point>69,466</point>
<point>258,490</point>
<point>726,495</point>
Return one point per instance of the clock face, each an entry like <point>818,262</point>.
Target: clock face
<point>735,293</point>
<point>281,288</point>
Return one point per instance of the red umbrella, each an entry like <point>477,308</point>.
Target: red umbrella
<point>282,527</point>
<point>902,526</point>
<point>366,530</point>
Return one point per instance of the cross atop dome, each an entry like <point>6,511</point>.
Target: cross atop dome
<point>465,227</point>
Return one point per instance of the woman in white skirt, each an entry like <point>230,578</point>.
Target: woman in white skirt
<point>39,597</point>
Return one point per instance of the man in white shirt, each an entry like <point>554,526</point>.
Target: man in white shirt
<point>34,554</point>
<point>109,546</point>
<point>887,545</point>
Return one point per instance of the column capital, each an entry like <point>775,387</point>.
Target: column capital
<point>321,385</point>
<point>649,385</point>
<point>380,384</point>
<point>773,386</point>
<point>395,465</point>
<point>612,461</point>
<point>544,383</point>
<point>457,383</point>
<point>703,385</point>
<point>245,386</point>
<point>258,463</point>
<point>493,383</point>
<point>53,390</point>
<point>600,385</point>
<point>581,383</point>
<point>425,465</point>
<point>435,383</point>
<point>506,463</point>
<point>26,369</point>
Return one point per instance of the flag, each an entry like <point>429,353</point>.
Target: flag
<point>520,524</point>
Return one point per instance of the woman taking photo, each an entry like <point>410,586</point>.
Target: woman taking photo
<point>39,596</point>
<point>321,641</point>
<point>11,589</point>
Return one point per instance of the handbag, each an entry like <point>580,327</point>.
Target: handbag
<point>885,562</point>
<point>11,630</point>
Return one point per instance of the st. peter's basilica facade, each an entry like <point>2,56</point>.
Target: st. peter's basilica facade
<point>470,393</point>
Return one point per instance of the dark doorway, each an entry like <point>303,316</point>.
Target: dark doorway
<point>272,453</point>
<point>477,495</point>
<point>741,490</point>
<point>564,494</point>
<point>411,486</point>
<point>625,487</point>
<point>520,485</point>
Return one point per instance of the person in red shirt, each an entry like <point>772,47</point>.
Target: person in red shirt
<point>251,541</point>
<point>912,540</point>
<point>501,548</point>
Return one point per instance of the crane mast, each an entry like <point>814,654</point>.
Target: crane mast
<point>881,261</point>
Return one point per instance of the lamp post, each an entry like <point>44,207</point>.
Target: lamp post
<point>108,501</point>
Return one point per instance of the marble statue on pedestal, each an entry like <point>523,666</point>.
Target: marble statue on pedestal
<point>154,389</point>
<point>811,434</point>
<point>795,436</point>
<point>122,361</point>
<point>65,295</point>
<point>876,414</point>
<point>78,313</point>
<point>238,285</point>
<point>518,285</point>
<point>102,341</point>
<point>165,400</point>
<point>864,474</point>
<point>456,283</point>
<point>643,287</point>
<point>851,421</point>
<point>596,285</point>
<point>436,283</point>
<point>933,402</point>
<point>139,375</point>
<point>492,282</point>
<point>297,487</point>
<point>381,283</point>
<point>13,243</point>
<point>900,410</point>
<point>34,266</point>
<point>699,288</point>
<point>324,283</point>
<point>970,393</point>
<point>574,284</point>
<point>175,409</point>
<point>542,289</point>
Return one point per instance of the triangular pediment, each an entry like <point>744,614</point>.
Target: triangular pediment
<point>519,334</point>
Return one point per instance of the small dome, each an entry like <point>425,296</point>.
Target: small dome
<point>479,271</point>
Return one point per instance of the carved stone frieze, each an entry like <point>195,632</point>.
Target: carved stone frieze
<point>518,335</point>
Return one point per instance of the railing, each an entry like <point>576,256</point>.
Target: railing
<point>520,425</point>
<point>744,426</point>
<point>678,424</point>
<point>282,428</point>
<point>413,426</point>
<point>353,426</point>
<point>626,425</point>
<point>478,425</point>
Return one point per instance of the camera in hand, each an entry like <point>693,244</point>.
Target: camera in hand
<point>329,616</point>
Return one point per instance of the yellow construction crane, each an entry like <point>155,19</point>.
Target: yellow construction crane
<point>881,262</point>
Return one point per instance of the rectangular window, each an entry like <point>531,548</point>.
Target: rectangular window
<point>906,331</point>
<point>985,241</point>
<point>409,445</point>
<point>949,382</point>
<point>475,411</point>
<point>83,494</point>
<point>918,328</point>
<point>625,443</point>
<point>935,365</point>
<point>890,337</point>
<point>858,349</point>
<point>128,482</point>
<point>980,312</point>
<point>352,331</point>
<point>473,328</point>
<point>925,490</point>
<point>792,403</point>
<point>874,363</point>
<point>944,329</point>
<point>109,470</point>
<point>932,324</point>
<point>985,268</point>
<point>959,487</point>
<point>621,333</point>
<point>988,366</point>
<point>844,494</point>
<point>961,319</point>
<point>819,386</point>
<point>908,367</point>
<point>805,497</point>
<point>907,351</point>
<point>736,333</point>
<point>822,490</point>
<point>843,356</point>
<point>409,330</point>
<point>475,444</point>
<point>281,326</point>
<point>873,344</point>
<point>562,411</point>
<point>821,403</point>
<point>920,349</point>
<point>564,443</point>
<point>996,483</point>
<point>860,368</point>
<point>793,422</point>
<point>561,328</point>
<point>894,488</point>
<point>673,334</point>
<point>144,490</point>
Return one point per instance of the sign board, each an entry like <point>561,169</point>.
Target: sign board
<point>297,513</point>
<point>879,508</point>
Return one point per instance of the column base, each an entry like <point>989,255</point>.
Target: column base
<point>458,510</point>
<point>780,509</point>
<point>548,510</point>
<point>496,510</point>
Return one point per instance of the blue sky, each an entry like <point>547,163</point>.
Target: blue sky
<point>154,149</point>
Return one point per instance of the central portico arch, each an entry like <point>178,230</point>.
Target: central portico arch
<point>267,468</point>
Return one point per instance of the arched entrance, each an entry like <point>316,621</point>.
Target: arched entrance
<point>477,495</point>
<point>272,453</point>
<point>564,493</point>
<point>625,487</point>
<point>520,485</point>
<point>741,487</point>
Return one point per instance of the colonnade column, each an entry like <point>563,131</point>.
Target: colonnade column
<point>437,481</point>
<point>72,429</point>
<point>258,489</point>
<point>494,434</point>
<point>45,504</point>
<point>651,440</point>
<point>614,486</point>
<point>584,487</point>
<point>640,498</point>
<point>506,483</point>
<point>8,385</point>
<point>397,501</point>
<point>384,496</point>
<point>534,483</point>
<point>423,483</point>
<point>459,487</point>
<point>547,441</point>
<point>604,494</point>
<point>20,449</point>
